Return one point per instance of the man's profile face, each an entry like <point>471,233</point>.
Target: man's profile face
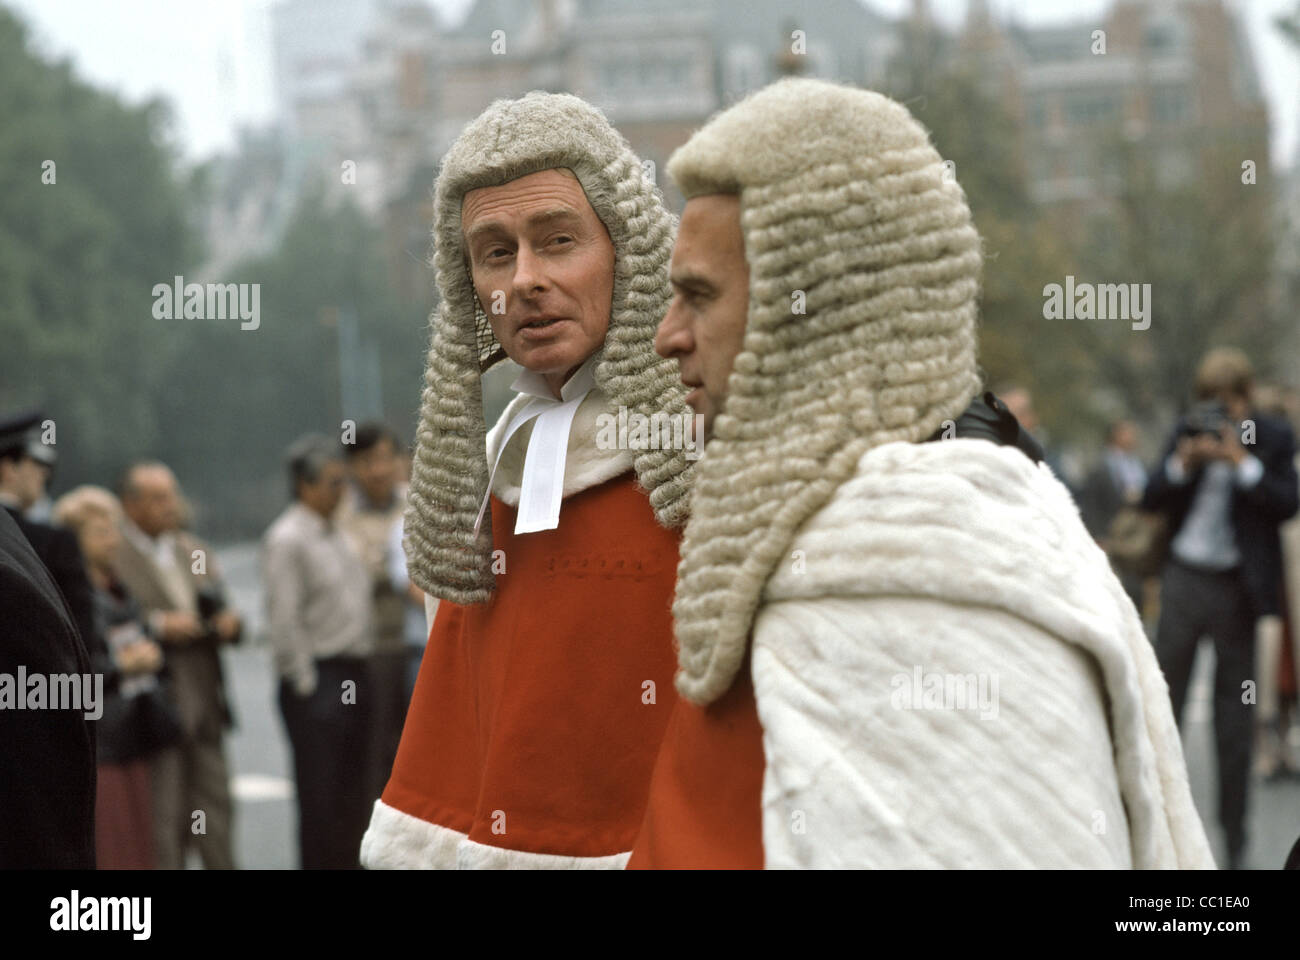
<point>542,264</point>
<point>704,327</point>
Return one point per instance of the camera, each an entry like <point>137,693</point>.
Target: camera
<point>211,601</point>
<point>1207,417</point>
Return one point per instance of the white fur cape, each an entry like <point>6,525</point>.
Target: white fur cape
<point>947,569</point>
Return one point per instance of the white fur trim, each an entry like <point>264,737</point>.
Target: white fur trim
<point>480,856</point>
<point>399,841</point>
<point>961,557</point>
<point>585,464</point>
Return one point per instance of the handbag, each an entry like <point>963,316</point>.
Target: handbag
<point>1138,541</point>
<point>153,722</point>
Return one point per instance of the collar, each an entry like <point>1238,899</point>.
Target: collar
<point>542,487</point>
<point>313,519</point>
<point>160,549</point>
<point>533,384</point>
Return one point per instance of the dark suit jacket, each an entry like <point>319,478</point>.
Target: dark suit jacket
<point>194,677</point>
<point>61,554</point>
<point>1256,513</point>
<point>1100,500</point>
<point>47,757</point>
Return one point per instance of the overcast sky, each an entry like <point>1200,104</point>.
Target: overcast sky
<point>211,58</point>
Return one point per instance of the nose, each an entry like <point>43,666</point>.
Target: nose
<point>530,277</point>
<point>673,338</point>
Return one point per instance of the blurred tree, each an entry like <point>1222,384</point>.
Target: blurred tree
<point>91,219</point>
<point>1023,251</point>
<point>1202,241</point>
<point>79,259</point>
<point>240,397</point>
<point>1288,216</point>
<point>1205,246</point>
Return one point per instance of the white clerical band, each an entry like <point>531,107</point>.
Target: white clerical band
<point>542,486</point>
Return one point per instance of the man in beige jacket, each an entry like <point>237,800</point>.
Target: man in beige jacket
<point>173,576</point>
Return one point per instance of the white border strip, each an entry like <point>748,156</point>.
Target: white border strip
<point>399,841</point>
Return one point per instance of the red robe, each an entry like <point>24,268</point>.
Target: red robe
<point>537,717</point>
<point>705,805</point>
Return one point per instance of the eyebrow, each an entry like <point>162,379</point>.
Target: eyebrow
<point>690,280</point>
<point>541,218</point>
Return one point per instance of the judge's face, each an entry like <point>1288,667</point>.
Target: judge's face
<point>705,324</point>
<point>543,269</point>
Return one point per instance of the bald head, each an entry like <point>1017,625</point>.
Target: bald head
<point>151,497</point>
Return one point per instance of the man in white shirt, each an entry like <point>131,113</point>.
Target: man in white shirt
<point>321,632</point>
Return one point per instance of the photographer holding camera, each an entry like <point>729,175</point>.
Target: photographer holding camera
<point>1226,483</point>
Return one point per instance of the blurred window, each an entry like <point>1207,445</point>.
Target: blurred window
<point>1175,168</point>
<point>1165,35</point>
<point>743,69</point>
<point>1090,109</point>
<point>1171,105</point>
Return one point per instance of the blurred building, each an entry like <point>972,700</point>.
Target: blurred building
<point>1286,292</point>
<point>385,87</point>
<point>315,45</point>
<point>395,90</point>
<point>657,68</point>
<point>250,195</point>
<point>1176,80</point>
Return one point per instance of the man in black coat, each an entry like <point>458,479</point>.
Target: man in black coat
<point>47,763</point>
<point>1226,482</point>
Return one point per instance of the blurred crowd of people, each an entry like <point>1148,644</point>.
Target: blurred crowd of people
<point>147,598</point>
<point>347,630</point>
<point>1203,540</point>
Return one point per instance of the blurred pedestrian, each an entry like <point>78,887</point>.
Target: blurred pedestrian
<point>321,631</point>
<point>370,511</point>
<point>138,719</point>
<point>1020,402</point>
<point>25,466</point>
<point>1278,645</point>
<point>174,577</point>
<point>1115,484</point>
<point>1226,481</point>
